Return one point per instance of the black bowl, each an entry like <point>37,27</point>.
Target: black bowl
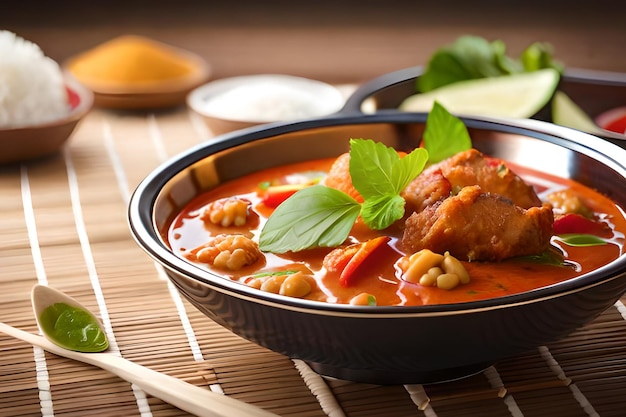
<point>595,92</point>
<point>385,345</point>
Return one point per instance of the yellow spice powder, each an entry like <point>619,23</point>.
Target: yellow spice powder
<point>130,60</point>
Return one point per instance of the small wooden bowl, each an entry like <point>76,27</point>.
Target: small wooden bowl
<point>147,95</point>
<point>25,143</point>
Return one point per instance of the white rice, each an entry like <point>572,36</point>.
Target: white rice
<point>265,102</point>
<point>32,90</point>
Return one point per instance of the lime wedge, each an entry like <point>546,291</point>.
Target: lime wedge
<point>517,96</point>
<point>567,113</point>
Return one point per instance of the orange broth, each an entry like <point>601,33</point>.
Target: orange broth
<point>380,277</point>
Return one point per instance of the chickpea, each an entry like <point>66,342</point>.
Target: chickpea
<point>434,270</point>
<point>451,265</point>
<point>448,281</point>
<point>295,285</point>
<point>419,263</point>
<point>273,284</point>
<point>255,283</point>
<point>226,212</point>
<point>229,252</point>
<point>429,279</point>
<point>363,299</point>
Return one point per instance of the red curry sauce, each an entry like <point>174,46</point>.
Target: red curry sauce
<point>381,278</point>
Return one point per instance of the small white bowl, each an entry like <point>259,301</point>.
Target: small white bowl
<point>238,102</point>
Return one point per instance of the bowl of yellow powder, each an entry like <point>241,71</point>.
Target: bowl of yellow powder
<point>136,72</point>
<point>40,105</point>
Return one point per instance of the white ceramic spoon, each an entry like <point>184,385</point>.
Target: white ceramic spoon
<point>188,397</point>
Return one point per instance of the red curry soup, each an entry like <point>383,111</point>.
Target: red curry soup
<point>581,231</point>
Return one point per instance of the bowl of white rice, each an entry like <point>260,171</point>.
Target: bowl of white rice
<point>40,105</point>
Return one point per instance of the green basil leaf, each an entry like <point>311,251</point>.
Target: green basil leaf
<point>550,256</point>
<point>275,273</point>
<point>370,167</point>
<point>443,68</point>
<point>377,170</point>
<point>316,216</point>
<point>469,57</point>
<point>539,55</point>
<point>445,134</point>
<point>579,239</point>
<point>506,64</point>
<point>381,212</point>
<point>404,170</point>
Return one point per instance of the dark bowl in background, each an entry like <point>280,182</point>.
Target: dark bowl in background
<point>383,345</point>
<point>595,92</point>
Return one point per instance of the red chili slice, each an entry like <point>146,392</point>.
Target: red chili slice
<point>366,251</point>
<point>575,223</point>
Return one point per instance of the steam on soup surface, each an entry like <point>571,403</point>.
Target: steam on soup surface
<point>474,227</point>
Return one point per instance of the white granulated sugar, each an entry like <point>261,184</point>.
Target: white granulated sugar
<point>265,102</point>
<point>32,90</point>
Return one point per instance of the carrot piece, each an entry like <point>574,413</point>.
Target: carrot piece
<point>276,194</point>
<point>366,251</point>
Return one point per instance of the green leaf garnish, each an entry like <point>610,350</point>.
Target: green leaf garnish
<point>370,167</point>
<point>378,170</point>
<point>472,57</point>
<point>316,216</point>
<point>539,55</point>
<point>469,57</point>
<point>580,239</point>
<point>264,185</point>
<point>379,175</point>
<point>445,134</point>
<point>380,212</point>
<point>547,257</point>
<point>275,273</point>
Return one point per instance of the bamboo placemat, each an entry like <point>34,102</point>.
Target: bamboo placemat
<point>63,223</point>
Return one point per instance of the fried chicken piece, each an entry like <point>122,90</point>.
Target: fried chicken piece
<point>427,189</point>
<point>464,169</point>
<point>339,177</point>
<point>478,226</point>
<point>471,167</point>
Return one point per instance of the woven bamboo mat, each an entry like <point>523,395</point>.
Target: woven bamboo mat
<point>63,223</point>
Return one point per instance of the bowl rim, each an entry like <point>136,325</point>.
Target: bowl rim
<point>366,91</point>
<point>143,228</point>
<point>213,88</point>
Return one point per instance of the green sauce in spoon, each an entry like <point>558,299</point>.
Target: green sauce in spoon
<point>72,328</point>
